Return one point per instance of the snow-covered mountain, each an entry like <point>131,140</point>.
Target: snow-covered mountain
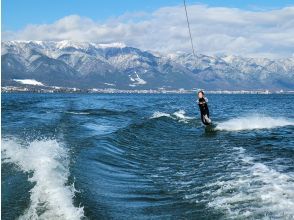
<point>91,65</point>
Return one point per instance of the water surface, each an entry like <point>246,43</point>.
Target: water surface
<point>138,156</point>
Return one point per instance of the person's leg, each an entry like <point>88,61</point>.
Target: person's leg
<point>207,119</point>
<point>207,110</point>
<point>206,114</point>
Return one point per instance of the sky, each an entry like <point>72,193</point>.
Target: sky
<point>241,27</point>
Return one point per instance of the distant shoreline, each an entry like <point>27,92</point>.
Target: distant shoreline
<point>13,89</point>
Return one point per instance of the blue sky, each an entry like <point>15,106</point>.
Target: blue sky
<point>16,14</point>
<point>250,28</point>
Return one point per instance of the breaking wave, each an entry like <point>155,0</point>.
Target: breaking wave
<point>253,122</point>
<point>47,162</point>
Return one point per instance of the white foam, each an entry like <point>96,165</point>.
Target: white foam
<point>181,115</point>
<point>78,113</point>
<point>178,115</point>
<point>159,115</point>
<point>253,122</point>
<point>48,163</point>
<point>254,191</point>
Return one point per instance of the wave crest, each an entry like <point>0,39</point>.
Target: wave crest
<point>178,115</point>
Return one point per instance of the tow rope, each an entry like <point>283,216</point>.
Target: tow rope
<point>188,23</point>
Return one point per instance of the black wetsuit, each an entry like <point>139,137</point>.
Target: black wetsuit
<point>203,109</point>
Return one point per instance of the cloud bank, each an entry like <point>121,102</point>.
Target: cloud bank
<point>215,30</point>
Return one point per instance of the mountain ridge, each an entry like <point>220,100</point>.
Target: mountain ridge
<point>116,65</point>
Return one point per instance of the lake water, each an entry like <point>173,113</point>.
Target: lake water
<point>138,156</point>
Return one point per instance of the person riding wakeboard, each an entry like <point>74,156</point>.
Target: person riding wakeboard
<point>202,103</point>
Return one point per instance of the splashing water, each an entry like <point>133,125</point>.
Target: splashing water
<point>51,197</point>
<point>159,115</point>
<point>253,122</point>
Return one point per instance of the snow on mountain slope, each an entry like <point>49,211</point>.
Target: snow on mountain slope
<point>86,65</point>
<point>29,82</point>
<point>136,80</point>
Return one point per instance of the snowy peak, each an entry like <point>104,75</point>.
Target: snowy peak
<point>111,45</point>
<point>51,46</point>
<point>86,45</point>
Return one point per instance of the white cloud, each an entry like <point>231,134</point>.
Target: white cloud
<point>215,30</point>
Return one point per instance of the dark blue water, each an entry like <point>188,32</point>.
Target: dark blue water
<point>76,156</point>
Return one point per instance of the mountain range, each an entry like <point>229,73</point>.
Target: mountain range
<point>115,65</point>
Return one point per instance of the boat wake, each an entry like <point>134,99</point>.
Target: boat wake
<point>253,122</point>
<point>47,162</point>
<point>255,191</point>
<point>178,115</point>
